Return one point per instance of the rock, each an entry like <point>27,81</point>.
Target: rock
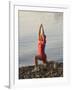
<point>37,76</point>
<point>52,69</point>
<point>54,65</point>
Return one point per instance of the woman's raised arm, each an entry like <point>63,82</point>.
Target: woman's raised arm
<point>42,29</point>
<point>39,30</point>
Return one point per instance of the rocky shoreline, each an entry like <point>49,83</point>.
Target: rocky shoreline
<point>53,69</point>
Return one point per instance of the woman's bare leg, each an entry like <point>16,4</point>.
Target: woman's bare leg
<point>36,64</point>
<point>36,61</point>
<point>45,60</point>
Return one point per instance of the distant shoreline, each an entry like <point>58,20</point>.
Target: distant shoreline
<point>53,69</point>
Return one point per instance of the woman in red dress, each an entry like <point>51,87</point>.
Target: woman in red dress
<point>41,47</point>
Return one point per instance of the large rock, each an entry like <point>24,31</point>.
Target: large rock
<point>52,69</point>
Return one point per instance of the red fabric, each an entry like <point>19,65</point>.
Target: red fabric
<point>41,47</point>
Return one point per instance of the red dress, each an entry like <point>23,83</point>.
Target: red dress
<point>41,48</point>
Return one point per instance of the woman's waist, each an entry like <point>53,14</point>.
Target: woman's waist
<point>41,52</point>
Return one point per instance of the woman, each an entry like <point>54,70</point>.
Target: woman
<point>41,47</point>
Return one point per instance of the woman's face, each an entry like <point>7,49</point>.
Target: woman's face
<point>41,37</point>
<point>41,33</point>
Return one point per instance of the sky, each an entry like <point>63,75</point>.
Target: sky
<point>28,27</point>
